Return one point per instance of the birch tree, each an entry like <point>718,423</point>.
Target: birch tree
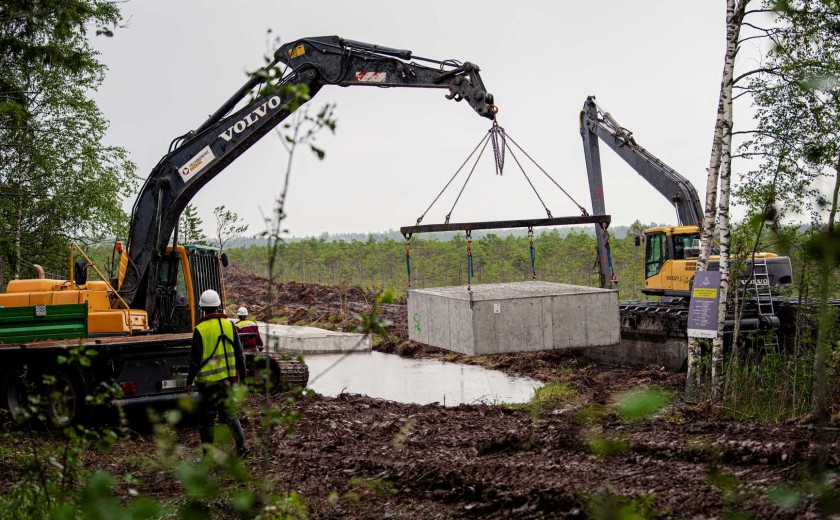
<point>797,142</point>
<point>191,227</point>
<point>796,95</point>
<point>719,168</point>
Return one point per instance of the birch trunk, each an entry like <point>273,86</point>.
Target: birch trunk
<point>693,380</point>
<point>723,219</point>
<point>720,160</point>
<point>734,20</point>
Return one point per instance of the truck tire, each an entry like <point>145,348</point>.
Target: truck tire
<point>64,398</point>
<point>285,372</point>
<point>16,389</point>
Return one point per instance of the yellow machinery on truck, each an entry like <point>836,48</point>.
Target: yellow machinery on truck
<point>108,312</point>
<point>145,314</point>
<point>670,251</point>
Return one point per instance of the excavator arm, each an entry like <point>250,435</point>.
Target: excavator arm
<point>673,186</point>
<point>202,154</point>
<point>595,124</point>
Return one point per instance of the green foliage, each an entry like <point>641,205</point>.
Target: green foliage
<point>56,481</point>
<point>373,322</point>
<point>289,506</point>
<point>606,446</point>
<point>54,472</point>
<point>785,497</point>
<point>58,181</point>
<point>642,403</point>
<point>592,414</point>
<point>822,487</point>
<point>734,494</point>
<point>100,502</point>
<point>549,396</point>
<point>373,487</point>
<point>769,387</point>
<point>797,101</point>
<point>228,226</point>
<point>380,265</point>
<point>607,505</point>
<point>197,481</point>
<point>191,227</point>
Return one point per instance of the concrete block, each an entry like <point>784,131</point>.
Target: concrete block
<point>311,340</point>
<point>513,317</point>
<point>668,352</point>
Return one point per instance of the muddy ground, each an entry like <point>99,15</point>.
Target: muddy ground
<point>550,462</point>
<point>573,456</point>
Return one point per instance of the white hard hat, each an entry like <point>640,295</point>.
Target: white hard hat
<point>242,312</point>
<point>209,298</point>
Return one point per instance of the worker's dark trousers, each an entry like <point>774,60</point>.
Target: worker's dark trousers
<point>211,401</point>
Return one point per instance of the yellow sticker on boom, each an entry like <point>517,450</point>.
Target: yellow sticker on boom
<point>701,292</point>
<point>297,51</point>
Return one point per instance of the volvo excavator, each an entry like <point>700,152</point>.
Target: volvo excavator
<point>671,252</point>
<point>654,332</point>
<point>138,324</point>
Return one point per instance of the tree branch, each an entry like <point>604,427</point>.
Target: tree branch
<point>767,70</point>
<point>757,28</point>
<point>745,92</point>
<point>756,11</point>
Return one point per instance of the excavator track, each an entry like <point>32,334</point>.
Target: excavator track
<point>286,372</point>
<point>651,319</point>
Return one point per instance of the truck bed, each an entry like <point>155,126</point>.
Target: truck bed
<point>108,342</point>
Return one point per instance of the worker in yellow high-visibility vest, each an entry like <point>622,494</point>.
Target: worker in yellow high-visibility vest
<point>216,362</point>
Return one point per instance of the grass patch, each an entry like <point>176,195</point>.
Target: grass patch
<point>607,505</point>
<point>642,403</point>
<point>605,447</point>
<point>547,397</point>
<point>770,388</point>
<point>593,414</point>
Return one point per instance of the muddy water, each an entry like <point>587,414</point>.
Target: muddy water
<point>422,381</point>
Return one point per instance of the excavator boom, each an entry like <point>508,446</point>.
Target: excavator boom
<point>202,154</point>
<point>673,186</point>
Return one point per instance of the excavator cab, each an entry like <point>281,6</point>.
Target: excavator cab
<point>670,259</point>
<point>183,274</point>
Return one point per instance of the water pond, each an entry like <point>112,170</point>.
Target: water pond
<point>421,381</point>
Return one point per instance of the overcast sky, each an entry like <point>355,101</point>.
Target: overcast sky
<point>653,64</point>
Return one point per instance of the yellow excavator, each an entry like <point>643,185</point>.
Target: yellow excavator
<point>670,251</point>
